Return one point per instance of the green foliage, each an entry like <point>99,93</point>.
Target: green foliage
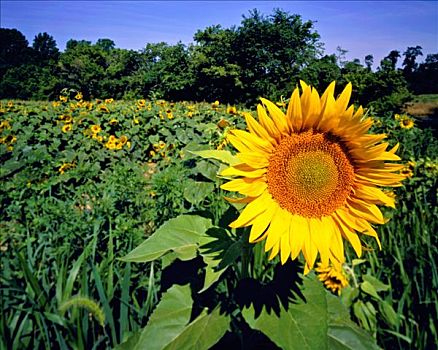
<point>320,322</point>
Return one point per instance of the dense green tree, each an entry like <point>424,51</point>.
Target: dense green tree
<point>45,48</point>
<point>29,81</point>
<point>82,67</point>
<point>392,58</point>
<point>272,50</point>
<point>369,60</point>
<point>105,44</point>
<point>263,56</point>
<point>321,72</point>
<point>163,70</point>
<point>425,78</point>
<point>216,72</point>
<point>14,49</point>
<point>409,63</point>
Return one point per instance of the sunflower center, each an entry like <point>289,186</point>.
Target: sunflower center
<point>310,174</point>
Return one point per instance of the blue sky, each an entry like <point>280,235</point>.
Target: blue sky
<point>361,27</point>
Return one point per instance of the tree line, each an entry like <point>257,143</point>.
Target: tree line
<point>263,56</point>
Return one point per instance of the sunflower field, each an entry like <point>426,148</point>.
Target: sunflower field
<point>121,227</point>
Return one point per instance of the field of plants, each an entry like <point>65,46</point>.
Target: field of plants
<point>104,209</point>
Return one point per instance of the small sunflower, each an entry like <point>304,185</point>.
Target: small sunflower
<point>103,108</point>
<point>406,122</point>
<point>67,128</point>
<point>64,167</point>
<point>231,110</point>
<point>310,177</point>
<point>95,129</point>
<point>333,278</point>
<point>123,140</point>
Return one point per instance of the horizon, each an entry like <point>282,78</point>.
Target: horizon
<point>133,24</point>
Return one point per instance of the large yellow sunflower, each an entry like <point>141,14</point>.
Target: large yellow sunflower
<point>310,177</point>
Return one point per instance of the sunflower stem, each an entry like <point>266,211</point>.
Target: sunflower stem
<point>245,255</point>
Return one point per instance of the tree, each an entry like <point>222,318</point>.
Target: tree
<point>45,47</point>
<point>409,63</point>
<point>165,70</point>
<point>425,78</point>
<point>14,49</point>
<point>105,44</point>
<point>273,50</point>
<point>321,72</point>
<point>392,58</point>
<point>216,72</point>
<point>369,60</point>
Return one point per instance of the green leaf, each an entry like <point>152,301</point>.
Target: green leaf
<point>368,288</point>
<point>378,285</point>
<point>342,332</point>
<point>357,262</point>
<point>169,328</point>
<point>223,156</point>
<point>202,333</point>
<point>168,320</point>
<point>306,323</point>
<point>180,235</point>
<point>207,169</point>
<point>322,322</point>
<point>196,191</point>
<point>389,314</point>
<point>213,246</point>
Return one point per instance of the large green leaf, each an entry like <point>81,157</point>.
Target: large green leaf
<point>168,320</point>
<point>322,322</point>
<point>202,333</point>
<point>302,326</point>
<point>343,333</point>
<point>223,156</point>
<point>196,191</point>
<point>212,248</point>
<point>179,235</point>
<point>169,328</point>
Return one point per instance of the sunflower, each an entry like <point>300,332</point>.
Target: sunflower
<point>333,278</point>
<point>95,129</point>
<point>310,177</point>
<point>406,122</point>
<point>67,128</point>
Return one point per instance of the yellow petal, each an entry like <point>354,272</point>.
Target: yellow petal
<point>261,222</point>
<point>374,194</point>
<point>311,118</point>
<point>294,114</point>
<point>246,186</point>
<point>253,142</point>
<point>267,123</point>
<point>277,228</point>
<point>284,247</point>
<point>365,210</point>
<point>310,252</point>
<point>252,210</point>
<point>274,251</point>
<point>349,235</point>
<point>257,129</point>
<point>255,160</point>
<point>277,116</point>
<point>298,233</point>
<point>320,231</point>
<point>330,91</point>
<point>343,99</point>
<point>242,170</point>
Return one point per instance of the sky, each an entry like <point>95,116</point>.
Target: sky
<point>360,27</point>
